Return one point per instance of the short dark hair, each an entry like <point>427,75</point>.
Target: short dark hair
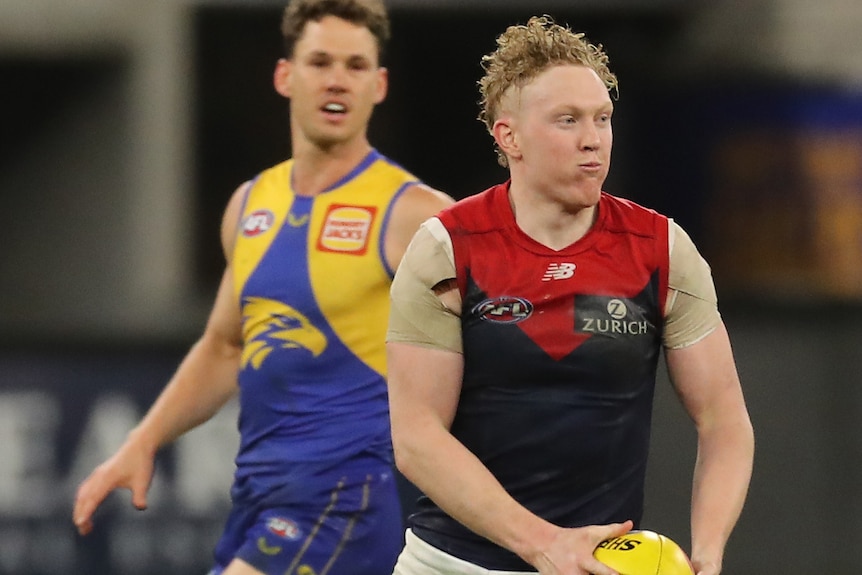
<point>371,14</point>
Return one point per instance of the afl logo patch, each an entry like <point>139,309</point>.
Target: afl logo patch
<point>505,309</point>
<point>257,222</point>
<point>284,528</point>
<point>346,229</point>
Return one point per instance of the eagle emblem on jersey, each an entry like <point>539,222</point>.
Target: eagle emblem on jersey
<point>283,327</point>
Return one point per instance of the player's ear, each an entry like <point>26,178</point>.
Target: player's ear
<point>281,77</point>
<point>504,135</point>
<point>382,85</point>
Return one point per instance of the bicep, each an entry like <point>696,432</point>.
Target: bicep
<point>224,325</point>
<point>223,329</point>
<point>424,385</point>
<point>705,378</point>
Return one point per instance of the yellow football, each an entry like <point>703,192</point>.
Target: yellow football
<point>644,552</point>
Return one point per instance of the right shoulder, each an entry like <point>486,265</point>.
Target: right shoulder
<point>231,218</point>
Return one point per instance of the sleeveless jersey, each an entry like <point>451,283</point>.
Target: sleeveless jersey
<point>560,357</point>
<point>313,288</point>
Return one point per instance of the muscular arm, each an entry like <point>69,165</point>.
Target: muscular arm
<point>207,377</point>
<point>424,387</point>
<point>700,364</point>
<point>705,378</point>
<point>203,383</point>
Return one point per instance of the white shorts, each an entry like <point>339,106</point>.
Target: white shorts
<point>420,558</point>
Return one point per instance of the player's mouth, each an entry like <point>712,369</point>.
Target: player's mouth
<point>591,166</point>
<point>334,110</point>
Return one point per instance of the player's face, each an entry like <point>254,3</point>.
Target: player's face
<point>333,81</point>
<point>562,126</point>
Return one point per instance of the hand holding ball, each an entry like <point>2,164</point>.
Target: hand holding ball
<point>644,553</point>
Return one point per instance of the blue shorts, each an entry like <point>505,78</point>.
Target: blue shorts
<point>354,527</point>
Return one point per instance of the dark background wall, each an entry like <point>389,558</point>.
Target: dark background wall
<point>428,122</point>
<point>761,166</point>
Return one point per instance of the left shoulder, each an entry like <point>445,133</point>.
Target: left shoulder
<point>416,203</point>
<point>611,201</point>
<point>622,214</point>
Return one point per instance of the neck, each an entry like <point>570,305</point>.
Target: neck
<point>549,222</point>
<point>316,168</point>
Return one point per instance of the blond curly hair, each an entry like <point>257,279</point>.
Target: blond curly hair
<point>525,51</point>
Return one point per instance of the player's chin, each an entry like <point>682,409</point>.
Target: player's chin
<point>332,136</point>
<point>587,194</point>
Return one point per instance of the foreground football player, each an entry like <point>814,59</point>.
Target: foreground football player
<point>526,327</point>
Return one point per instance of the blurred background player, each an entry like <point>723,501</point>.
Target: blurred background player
<point>299,322</point>
<point>526,328</point>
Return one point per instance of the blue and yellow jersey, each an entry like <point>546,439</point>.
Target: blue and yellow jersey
<point>313,288</point>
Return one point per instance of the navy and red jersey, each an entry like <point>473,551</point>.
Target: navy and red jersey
<point>560,356</point>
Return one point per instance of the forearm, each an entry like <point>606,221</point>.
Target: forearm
<point>721,478</point>
<point>205,380</point>
<point>463,487</point>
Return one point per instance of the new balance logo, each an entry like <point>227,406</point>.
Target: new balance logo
<point>558,272</point>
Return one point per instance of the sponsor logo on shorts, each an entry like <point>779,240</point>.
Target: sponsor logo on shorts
<point>346,229</point>
<point>284,528</point>
<point>266,548</point>
<point>257,223</point>
<point>505,309</point>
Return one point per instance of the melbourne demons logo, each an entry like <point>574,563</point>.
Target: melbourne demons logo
<point>346,229</point>
<point>257,222</point>
<point>284,328</point>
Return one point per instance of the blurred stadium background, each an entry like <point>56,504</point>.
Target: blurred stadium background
<point>125,125</point>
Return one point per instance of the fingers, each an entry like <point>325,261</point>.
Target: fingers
<point>596,567</point>
<point>84,525</point>
<point>130,468</point>
<point>613,530</point>
<point>90,496</point>
<point>601,533</point>
<point>139,494</point>
<point>86,501</point>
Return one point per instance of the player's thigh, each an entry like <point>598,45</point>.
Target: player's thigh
<point>421,558</point>
<point>240,567</point>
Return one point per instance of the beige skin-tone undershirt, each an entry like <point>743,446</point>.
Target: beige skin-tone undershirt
<point>426,305</point>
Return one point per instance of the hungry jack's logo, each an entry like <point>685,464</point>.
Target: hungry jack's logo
<point>346,229</point>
